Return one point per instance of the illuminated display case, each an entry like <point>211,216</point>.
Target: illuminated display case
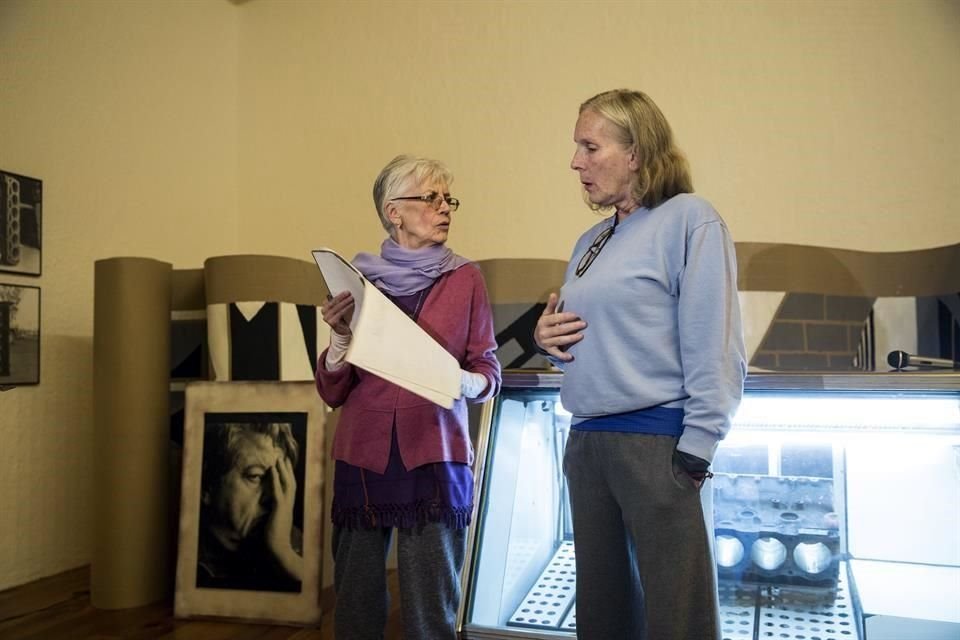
<point>836,506</point>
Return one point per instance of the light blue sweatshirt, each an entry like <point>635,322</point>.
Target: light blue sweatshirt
<point>663,321</point>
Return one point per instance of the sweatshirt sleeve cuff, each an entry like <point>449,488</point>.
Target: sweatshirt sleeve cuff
<point>698,442</point>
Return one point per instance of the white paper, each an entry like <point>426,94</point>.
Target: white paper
<point>386,342</point>
<point>340,276</point>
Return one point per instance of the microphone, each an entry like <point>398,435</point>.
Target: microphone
<point>901,360</point>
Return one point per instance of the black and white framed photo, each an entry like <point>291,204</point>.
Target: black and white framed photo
<point>19,335</point>
<point>251,503</point>
<point>21,210</point>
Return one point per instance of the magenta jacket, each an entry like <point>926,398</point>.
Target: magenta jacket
<point>456,314</point>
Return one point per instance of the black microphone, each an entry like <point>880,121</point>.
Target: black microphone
<point>901,360</point>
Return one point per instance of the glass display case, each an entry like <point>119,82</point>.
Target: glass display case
<point>836,508</point>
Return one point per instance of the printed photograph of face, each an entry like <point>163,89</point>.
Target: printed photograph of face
<point>251,502</point>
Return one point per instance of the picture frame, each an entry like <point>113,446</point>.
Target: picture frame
<point>21,214</point>
<point>250,540</point>
<point>19,335</point>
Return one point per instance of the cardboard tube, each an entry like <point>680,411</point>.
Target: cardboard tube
<point>843,272</point>
<point>131,344</point>
<point>522,280</point>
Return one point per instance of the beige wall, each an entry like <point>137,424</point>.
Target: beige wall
<point>183,129</point>
<point>127,112</point>
<point>828,123</point>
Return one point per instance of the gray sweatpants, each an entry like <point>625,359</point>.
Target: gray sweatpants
<point>429,560</point>
<point>645,568</point>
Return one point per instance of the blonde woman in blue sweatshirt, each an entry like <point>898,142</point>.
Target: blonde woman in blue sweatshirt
<point>647,331</point>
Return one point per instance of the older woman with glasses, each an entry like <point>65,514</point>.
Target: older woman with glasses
<point>647,331</point>
<point>402,462</point>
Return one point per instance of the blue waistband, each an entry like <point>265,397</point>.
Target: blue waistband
<point>664,421</point>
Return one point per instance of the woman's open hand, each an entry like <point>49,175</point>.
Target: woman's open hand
<point>557,330</point>
<point>283,483</point>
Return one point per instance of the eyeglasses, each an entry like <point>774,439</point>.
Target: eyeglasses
<point>435,199</point>
<point>594,250</point>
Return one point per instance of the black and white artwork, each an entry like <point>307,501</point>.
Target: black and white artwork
<point>251,502</point>
<point>21,208</point>
<point>19,335</point>
<point>259,340</point>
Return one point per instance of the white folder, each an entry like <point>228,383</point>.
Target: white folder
<point>386,342</point>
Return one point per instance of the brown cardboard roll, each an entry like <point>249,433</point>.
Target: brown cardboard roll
<point>262,317</point>
<point>254,277</point>
<point>522,280</point>
<point>131,563</point>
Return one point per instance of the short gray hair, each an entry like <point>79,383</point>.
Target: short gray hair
<point>395,175</point>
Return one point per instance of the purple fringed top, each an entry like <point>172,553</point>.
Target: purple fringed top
<point>436,492</point>
<point>402,498</point>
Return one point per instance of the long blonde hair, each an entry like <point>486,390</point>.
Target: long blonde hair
<point>642,127</point>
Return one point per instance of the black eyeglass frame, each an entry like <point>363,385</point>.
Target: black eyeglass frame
<point>433,198</point>
<point>595,248</point>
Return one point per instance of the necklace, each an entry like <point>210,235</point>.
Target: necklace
<point>416,309</point>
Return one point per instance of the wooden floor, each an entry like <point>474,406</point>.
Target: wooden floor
<point>59,607</point>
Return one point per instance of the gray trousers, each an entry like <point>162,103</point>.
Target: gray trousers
<point>645,568</point>
<point>429,559</point>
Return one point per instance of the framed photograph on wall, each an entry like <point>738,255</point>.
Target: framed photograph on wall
<point>19,335</point>
<point>21,210</point>
<point>251,523</point>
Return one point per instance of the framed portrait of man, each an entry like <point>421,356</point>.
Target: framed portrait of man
<point>251,502</point>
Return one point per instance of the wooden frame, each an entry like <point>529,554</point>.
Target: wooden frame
<point>230,496</point>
